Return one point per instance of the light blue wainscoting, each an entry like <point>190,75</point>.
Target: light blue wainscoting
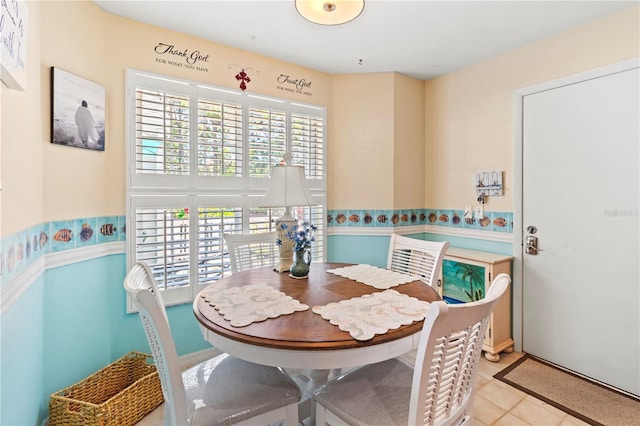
<point>70,322</point>
<point>368,249</point>
<point>83,309</point>
<point>184,329</point>
<point>22,354</point>
<point>374,249</point>
<point>499,247</point>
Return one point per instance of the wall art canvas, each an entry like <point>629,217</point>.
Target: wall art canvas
<point>463,282</point>
<point>77,111</point>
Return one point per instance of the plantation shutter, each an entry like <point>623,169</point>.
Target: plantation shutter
<point>162,133</point>
<point>267,136</point>
<point>162,238</point>
<point>199,161</point>
<point>307,143</point>
<point>220,135</point>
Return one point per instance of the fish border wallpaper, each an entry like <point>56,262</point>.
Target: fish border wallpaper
<point>492,221</point>
<point>20,250</point>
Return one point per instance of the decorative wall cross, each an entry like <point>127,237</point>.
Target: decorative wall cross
<point>243,78</point>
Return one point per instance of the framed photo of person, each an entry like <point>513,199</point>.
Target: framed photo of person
<point>77,111</point>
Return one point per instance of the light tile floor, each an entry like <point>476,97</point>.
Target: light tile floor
<point>496,403</point>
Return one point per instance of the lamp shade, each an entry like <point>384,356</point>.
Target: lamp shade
<point>329,12</point>
<point>287,188</point>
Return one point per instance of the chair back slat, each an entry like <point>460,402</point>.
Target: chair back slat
<point>448,357</point>
<point>141,287</point>
<point>419,258</point>
<point>251,251</point>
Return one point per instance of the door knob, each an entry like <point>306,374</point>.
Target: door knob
<point>531,245</point>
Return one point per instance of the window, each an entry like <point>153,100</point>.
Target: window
<point>199,159</point>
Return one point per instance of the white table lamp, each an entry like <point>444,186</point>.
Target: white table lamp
<point>287,188</point>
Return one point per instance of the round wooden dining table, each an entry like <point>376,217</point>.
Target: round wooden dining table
<point>304,340</point>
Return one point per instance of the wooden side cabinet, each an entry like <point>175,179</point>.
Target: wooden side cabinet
<point>466,276</point>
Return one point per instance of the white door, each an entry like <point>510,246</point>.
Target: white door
<point>580,175</point>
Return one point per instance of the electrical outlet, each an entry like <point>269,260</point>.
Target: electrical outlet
<point>478,212</point>
<point>468,212</point>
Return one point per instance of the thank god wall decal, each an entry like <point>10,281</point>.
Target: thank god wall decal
<point>169,54</point>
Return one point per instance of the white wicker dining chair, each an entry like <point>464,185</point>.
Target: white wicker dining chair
<point>250,251</point>
<point>437,391</point>
<point>417,257</point>
<point>221,390</point>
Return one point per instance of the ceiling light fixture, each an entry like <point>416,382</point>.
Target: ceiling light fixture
<point>329,12</point>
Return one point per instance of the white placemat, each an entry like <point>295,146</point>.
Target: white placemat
<point>252,303</point>
<point>365,316</point>
<point>379,278</point>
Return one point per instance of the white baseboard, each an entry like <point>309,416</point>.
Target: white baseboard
<point>194,358</point>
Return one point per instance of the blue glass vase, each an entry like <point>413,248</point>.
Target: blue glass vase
<point>301,264</point>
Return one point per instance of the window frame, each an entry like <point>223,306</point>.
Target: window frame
<point>196,191</point>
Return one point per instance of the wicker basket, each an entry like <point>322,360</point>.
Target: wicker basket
<point>122,393</point>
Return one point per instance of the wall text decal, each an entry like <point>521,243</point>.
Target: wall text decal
<point>294,85</point>
<point>168,54</point>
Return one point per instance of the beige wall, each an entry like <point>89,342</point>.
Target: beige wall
<point>375,120</point>
<point>408,162</point>
<point>360,145</point>
<point>469,113</point>
<point>376,143</point>
<point>44,182</point>
<point>79,182</point>
<point>21,140</point>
